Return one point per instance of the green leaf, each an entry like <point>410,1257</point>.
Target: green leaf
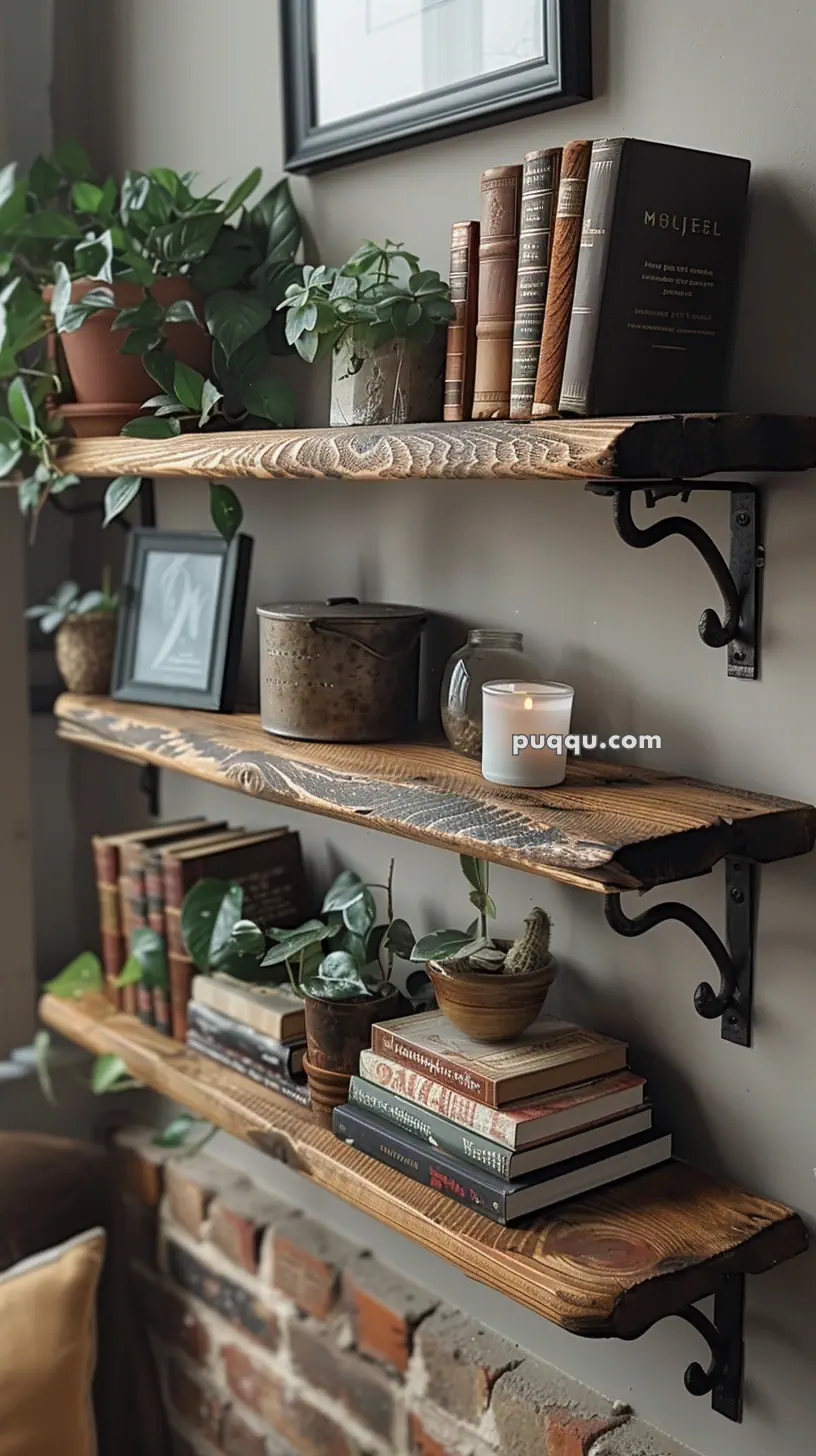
<point>242,191</point>
<point>7,181</point>
<point>440,945</point>
<point>110,1074</point>
<point>225,509</point>
<point>10,456</point>
<point>87,197</point>
<point>360,915</point>
<point>209,912</point>
<point>72,160</point>
<point>292,942</point>
<point>95,258</point>
<point>149,949</point>
<point>119,495</point>
<point>130,974</point>
<point>189,240</point>
<point>42,1053</point>
<point>81,975</point>
<point>347,888</point>
<point>151,429</point>
<point>234,317</point>
<point>160,364</point>
<point>49,225</point>
<point>174,1135</point>
<point>338,978</point>
<point>147,314</point>
<point>181,312</point>
<point>43,180</point>
<point>188,385</point>
<point>476,872</point>
<point>248,938</point>
<point>232,258</point>
<point>210,397</point>
<point>61,296</point>
<point>140,341</point>
<point>271,399</point>
<point>20,407</point>
<point>274,223</point>
<point>399,937</point>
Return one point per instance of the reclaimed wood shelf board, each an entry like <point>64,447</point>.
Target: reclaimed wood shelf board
<point>610,1264</point>
<point>665,447</point>
<point>609,827</point>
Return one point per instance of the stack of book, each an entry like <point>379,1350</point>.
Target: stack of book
<point>143,876</point>
<point>601,281</point>
<point>506,1129</point>
<point>256,1030</point>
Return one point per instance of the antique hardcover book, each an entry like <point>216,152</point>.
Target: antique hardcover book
<point>282,1059</point>
<point>113,936</point>
<point>482,1191</point>
<point>498,260</point>
<point>246,1067</point>
<point>538,191</point>
<point>269,868</point>
<point>152,866</point>
<point>548,1055</point>
<point>273,1010</point>
<point>517,1125</point>
<point>462,1143</point>
<point>566,241</point>
<point>460,363</point>
<point>656,284</point>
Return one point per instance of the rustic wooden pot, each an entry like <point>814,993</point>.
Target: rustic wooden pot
<point>397,384</point>
<point>336,1033</point>
<point>84,652</point>
<point>490,1007</point>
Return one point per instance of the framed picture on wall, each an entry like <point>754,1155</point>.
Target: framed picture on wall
<point>362,77</point>
<point>181,619</point>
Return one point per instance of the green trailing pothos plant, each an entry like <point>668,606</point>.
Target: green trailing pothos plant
<point>343,954</point>
<point>81,977</point>
<point>381,293</point>
<point>60,223</point>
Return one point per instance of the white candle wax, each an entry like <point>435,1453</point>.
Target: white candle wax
<point>518,719</point>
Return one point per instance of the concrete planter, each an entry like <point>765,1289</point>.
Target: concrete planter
<point>396,384</point>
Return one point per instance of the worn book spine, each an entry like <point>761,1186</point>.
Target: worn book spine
<point>429,1128</point>
<point>590,276</point>
<point>460,363</point>
<point>498,260</point>
<point>538,191</point>
<point>561,284</point>
<point>295,1091</point>
<point>489,1122</point>
<point>474,1188</point>
<point>112,941</point>
<point>232,1036</point>
<point>254,1010</point>
<point>440,1069</point>
<point>133,904</point>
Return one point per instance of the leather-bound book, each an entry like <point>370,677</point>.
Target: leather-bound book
<point>460,363</point>
<point>539,188</point>
<point>656,286</point>
<point>569,219</point>
<point>269,868</point>
<point>498,261</point>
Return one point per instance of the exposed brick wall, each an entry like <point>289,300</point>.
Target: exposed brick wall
<point>277,1337</point>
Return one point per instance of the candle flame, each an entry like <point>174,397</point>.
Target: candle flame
<point>528,703</point>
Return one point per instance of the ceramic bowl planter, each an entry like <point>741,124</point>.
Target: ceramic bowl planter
<point>486,1007</point>
<point>336,1033</point>
<point>84,651</point>
<point>397,384</point>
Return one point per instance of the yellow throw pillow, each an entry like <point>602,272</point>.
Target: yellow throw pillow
<point>48,1350</point>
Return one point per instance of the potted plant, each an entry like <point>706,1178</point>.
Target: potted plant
<point>85,627</point>
<point>111,292</point>
<point>335,963</point>
<point>491,989</point>
<point>382,318</point>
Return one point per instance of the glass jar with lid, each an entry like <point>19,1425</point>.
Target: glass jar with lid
<point>487,655</point>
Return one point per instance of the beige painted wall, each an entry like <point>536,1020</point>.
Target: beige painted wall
<point>195,84</point>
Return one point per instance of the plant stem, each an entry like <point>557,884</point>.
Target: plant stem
<point>389,910</point>
<point>295,987</point>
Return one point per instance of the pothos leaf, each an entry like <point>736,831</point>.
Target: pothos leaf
<point>225,509</point>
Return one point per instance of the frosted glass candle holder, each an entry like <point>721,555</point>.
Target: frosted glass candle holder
<point>523,728</point>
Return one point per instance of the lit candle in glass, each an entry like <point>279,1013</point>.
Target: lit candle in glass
<point>524,725</point>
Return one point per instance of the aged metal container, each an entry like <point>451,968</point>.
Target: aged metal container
<point>340,671</point>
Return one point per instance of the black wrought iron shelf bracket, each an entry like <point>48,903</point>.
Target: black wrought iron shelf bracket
<point>738,580</point>
<point>723,1377</point>
<point>734,959</point>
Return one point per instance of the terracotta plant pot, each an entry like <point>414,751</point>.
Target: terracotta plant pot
<point>89,421</point>
<point>99,373</point>
<point>84,652</point>
<point>490,1007</point>
<point>336,1033</point>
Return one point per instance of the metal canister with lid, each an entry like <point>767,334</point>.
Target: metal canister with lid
<point>340,671</point>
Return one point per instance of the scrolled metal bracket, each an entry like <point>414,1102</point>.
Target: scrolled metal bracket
<point>732,1000</point>
<point>723,1379</point>
<point>738,581</point>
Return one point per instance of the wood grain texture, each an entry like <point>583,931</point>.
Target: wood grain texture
<point>670,447</point>
<point>610,1264</point>
<point>610,826</point>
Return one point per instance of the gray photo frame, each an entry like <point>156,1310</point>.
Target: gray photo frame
<point>560,77</point>
<point>181,619</point>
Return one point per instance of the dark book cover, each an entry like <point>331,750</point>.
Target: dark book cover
<point>656,284</point>
<point>283,1059</point>
<point>460,359</point>
<point>295,1091</point>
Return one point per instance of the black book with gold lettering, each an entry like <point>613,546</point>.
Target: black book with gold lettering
<point>655,291</point>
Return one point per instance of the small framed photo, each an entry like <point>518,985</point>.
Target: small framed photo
<point>181,619</point>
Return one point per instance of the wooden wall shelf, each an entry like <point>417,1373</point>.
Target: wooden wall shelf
<point>611,1264</point>
<point>608,828</point>
<point>671,447</point>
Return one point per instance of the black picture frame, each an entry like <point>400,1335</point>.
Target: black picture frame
<point>222,643</point>
<point>562,78</point>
